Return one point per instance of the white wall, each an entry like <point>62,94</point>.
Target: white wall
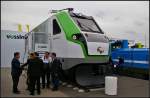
<point>10,43</point>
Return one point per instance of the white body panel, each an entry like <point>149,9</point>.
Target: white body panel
<point>59,45</point>
<point>94,41</point>
<point>92,48</point>
<point>74,50</point>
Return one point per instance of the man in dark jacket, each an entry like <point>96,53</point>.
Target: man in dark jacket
<point>29,62</point>
<point>46,70</point>
<point>55,68</point>
<point>15,71</point>
<point>35,72</point>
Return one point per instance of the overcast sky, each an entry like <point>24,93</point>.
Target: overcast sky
<point>118,19</point>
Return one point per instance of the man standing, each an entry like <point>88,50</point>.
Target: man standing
<point>46,69</point>
<point>15,72</point>
<point>55,68</point>
<point>35,71</point>
<point>29,62</point>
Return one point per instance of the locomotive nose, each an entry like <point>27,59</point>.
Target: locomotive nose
<point>97,44</point>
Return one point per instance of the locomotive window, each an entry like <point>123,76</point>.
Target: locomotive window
<point>88,25</point>
<point>56,28</point>
<point>43,27</point>
<point>41,38</point>
<point>96,38</point>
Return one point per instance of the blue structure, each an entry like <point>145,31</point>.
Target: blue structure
<point>135,59</point>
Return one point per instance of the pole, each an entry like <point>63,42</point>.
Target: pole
<point>145,39</point>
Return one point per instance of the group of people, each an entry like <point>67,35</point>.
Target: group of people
<point>47,68</point>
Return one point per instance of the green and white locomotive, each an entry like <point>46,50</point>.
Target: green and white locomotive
<point>79,43</point>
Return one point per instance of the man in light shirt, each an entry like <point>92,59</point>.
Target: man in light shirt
<point>46,72</point>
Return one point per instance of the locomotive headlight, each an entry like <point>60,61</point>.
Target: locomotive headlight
<point>86,34</point>
<point>74,37</point>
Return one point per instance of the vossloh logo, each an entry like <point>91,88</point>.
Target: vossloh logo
<point>9,36</point>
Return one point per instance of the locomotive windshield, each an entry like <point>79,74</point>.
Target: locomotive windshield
<point>86,23</point>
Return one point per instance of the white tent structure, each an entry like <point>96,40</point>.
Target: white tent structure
<point>11,41</point>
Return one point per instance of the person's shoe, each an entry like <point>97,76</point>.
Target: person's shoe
<point>16,92</point>
<point>47,87</point>
<point>43,87</point>
<point>38,93</point>
<point>32,94</point>
<point>54,89</point>
<point>27,88</point>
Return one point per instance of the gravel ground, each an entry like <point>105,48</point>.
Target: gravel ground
<point>127,87</point>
